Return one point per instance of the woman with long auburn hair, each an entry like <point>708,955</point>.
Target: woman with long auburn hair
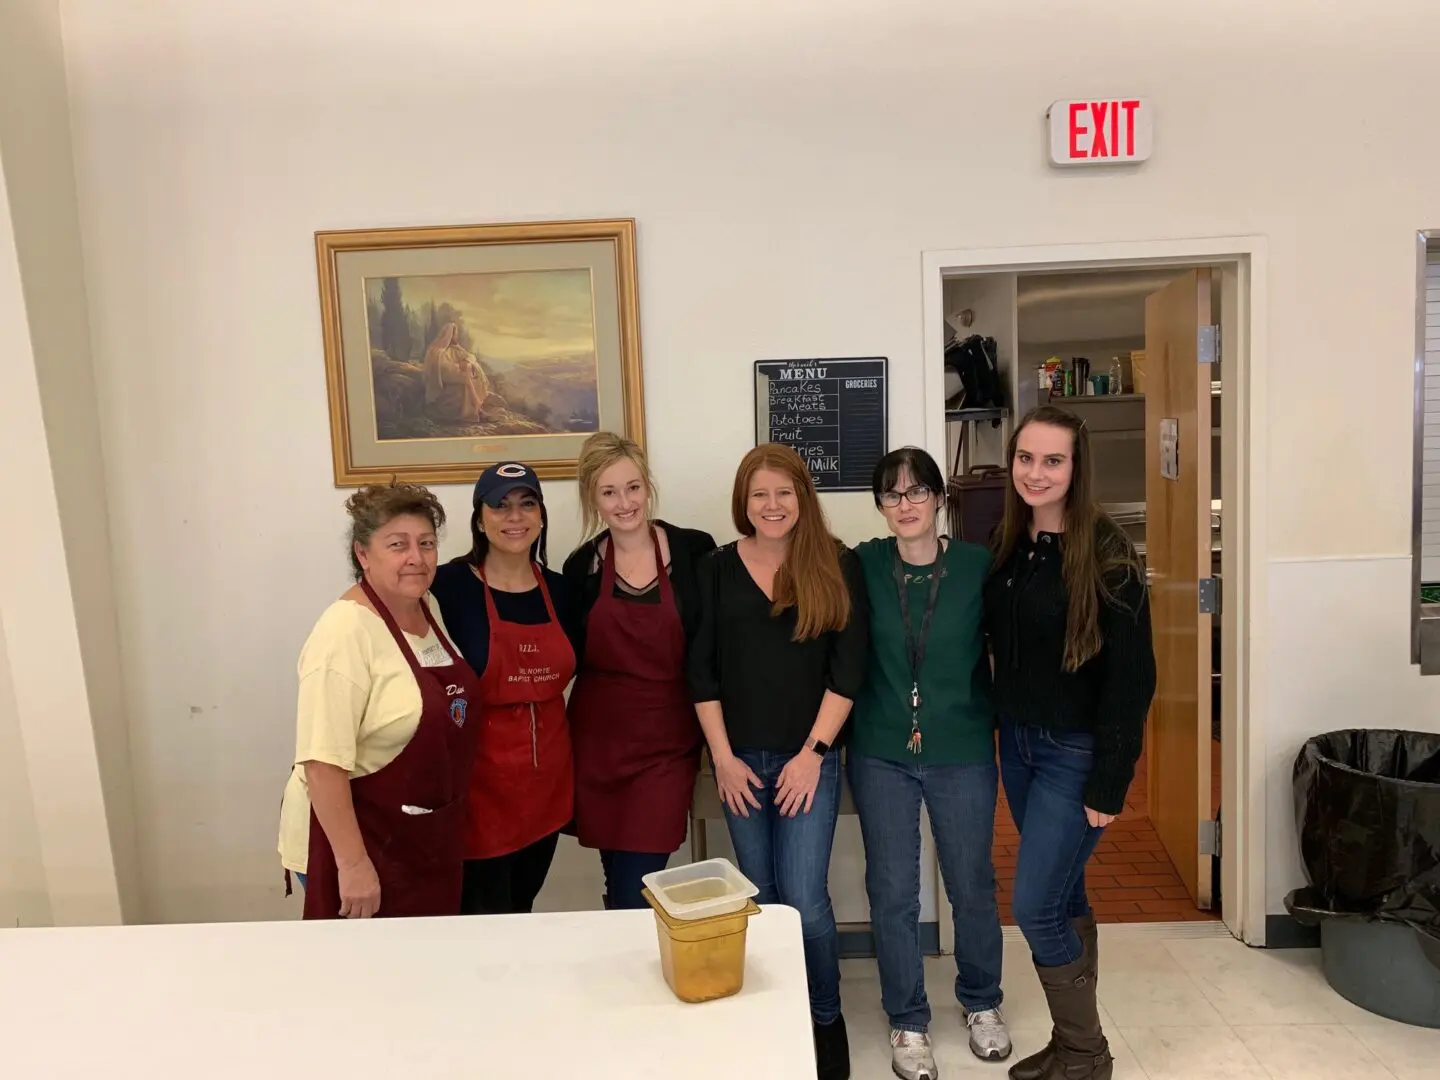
<point>775,667</point>
<point>1068,616</point>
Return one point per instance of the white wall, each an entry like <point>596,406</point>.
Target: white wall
<point>787,161</point>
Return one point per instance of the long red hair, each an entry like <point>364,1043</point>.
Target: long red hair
<point>809,579</point>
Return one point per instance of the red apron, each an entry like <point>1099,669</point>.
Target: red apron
<point>523,784</point>
<point>637,740</point>
<point>416,856</point>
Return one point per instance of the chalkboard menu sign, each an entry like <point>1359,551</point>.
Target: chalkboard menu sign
<point>831,411</point>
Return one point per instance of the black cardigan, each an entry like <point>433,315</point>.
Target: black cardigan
<point>1026,605</point>
<point>582,576</point>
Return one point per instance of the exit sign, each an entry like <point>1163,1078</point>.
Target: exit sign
<point>1101,131</point>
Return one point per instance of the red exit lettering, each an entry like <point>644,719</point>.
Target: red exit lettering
<point>1103,129</point>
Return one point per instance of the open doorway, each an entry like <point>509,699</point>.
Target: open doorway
<point>1136,348</point>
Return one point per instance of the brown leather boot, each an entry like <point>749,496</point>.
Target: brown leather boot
<point>1084,926</point>
<point>1037,1065</point>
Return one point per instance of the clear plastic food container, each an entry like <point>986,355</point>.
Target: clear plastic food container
<point>700,890</point>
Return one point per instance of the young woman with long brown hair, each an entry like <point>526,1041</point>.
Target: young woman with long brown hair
<point>775,667</point>
<point>1068,618</point>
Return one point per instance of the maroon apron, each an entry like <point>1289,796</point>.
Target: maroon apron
<point>523,784</point>
<point>417,856</point>
<point>637,740</point>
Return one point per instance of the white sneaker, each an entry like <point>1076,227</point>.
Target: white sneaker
<point>911,1057</point>
<point>989,1039</point>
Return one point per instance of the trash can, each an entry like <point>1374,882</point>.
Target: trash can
<point>1367,810</point>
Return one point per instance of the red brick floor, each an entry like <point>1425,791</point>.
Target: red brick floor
<point>1129,878</point>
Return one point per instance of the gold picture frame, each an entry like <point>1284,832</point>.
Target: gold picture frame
<point>449,348</point>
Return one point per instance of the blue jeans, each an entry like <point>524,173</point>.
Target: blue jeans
<point>1045,774</point>
<point>624,871</point>
<point>961,802</point>
<point>788,859</point>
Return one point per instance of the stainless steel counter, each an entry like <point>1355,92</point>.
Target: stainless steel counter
<point>1131,518</point>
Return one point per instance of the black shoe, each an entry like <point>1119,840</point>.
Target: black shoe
<point>832,1050</point>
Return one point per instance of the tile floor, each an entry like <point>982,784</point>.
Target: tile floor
<point>1129,878</point>
<point>1179,1002</point>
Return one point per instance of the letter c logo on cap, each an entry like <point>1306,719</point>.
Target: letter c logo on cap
<point>510,469</point>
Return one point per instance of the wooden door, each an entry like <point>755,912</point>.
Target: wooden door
<point>1177,543</point>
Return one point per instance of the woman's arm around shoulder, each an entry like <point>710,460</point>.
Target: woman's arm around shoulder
<point>580,563</point>
<point>451,579</point>
<point>562,597</point>
<point>694,544</point>
<point>850,649</point>
<point>703,662</point>
<point>583,590</point>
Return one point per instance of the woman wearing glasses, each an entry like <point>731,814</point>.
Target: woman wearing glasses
<point>924,732</point>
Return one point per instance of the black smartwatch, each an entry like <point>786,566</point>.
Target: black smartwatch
<point>817,746</point>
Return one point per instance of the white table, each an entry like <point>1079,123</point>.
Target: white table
<point>574,996</point>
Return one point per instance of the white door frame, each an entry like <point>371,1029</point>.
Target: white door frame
<point>1244,410</point>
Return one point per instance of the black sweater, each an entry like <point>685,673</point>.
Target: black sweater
<point>687,548</point>
<point>770,686</point>
<point>1026,604</point>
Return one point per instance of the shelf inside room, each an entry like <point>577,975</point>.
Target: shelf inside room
<point>976,414</point>
<point>1093,399</point>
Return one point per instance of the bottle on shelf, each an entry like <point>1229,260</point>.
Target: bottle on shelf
<point>1117,376</point>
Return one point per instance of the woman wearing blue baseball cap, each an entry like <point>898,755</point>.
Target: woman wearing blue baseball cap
<point>501,605</point>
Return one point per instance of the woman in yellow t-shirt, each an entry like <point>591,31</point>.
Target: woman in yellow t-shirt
<point>374,813</point>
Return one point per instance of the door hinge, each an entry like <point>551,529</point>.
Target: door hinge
<point>1210,838</point>
<point>1210,596</point>
<point>1208,345</point>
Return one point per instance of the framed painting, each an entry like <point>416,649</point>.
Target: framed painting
<point>449,349</point>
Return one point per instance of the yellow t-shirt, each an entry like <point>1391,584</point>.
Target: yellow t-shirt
<point>359,706</point>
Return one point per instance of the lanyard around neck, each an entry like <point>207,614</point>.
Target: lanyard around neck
<point>915,646</point>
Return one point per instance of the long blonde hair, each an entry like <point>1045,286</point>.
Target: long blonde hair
<point>809,579</point>
<point>1096,551</point>
<point>598,453</point>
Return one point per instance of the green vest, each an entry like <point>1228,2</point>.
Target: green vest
<point>957,721</point>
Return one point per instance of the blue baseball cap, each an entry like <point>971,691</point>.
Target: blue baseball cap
<point>501,479</point>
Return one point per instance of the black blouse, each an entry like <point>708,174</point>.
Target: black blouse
<point>687,548</point>
<point>769,686</point>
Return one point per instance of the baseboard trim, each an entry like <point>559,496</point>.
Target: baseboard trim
<point>1283,932</point>
<point>857,940</point>
<point>1202,928</point>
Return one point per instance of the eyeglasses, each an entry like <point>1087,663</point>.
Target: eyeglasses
<point>919,495</point>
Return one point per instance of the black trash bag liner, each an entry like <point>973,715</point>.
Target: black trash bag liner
<point>1367,808</point>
